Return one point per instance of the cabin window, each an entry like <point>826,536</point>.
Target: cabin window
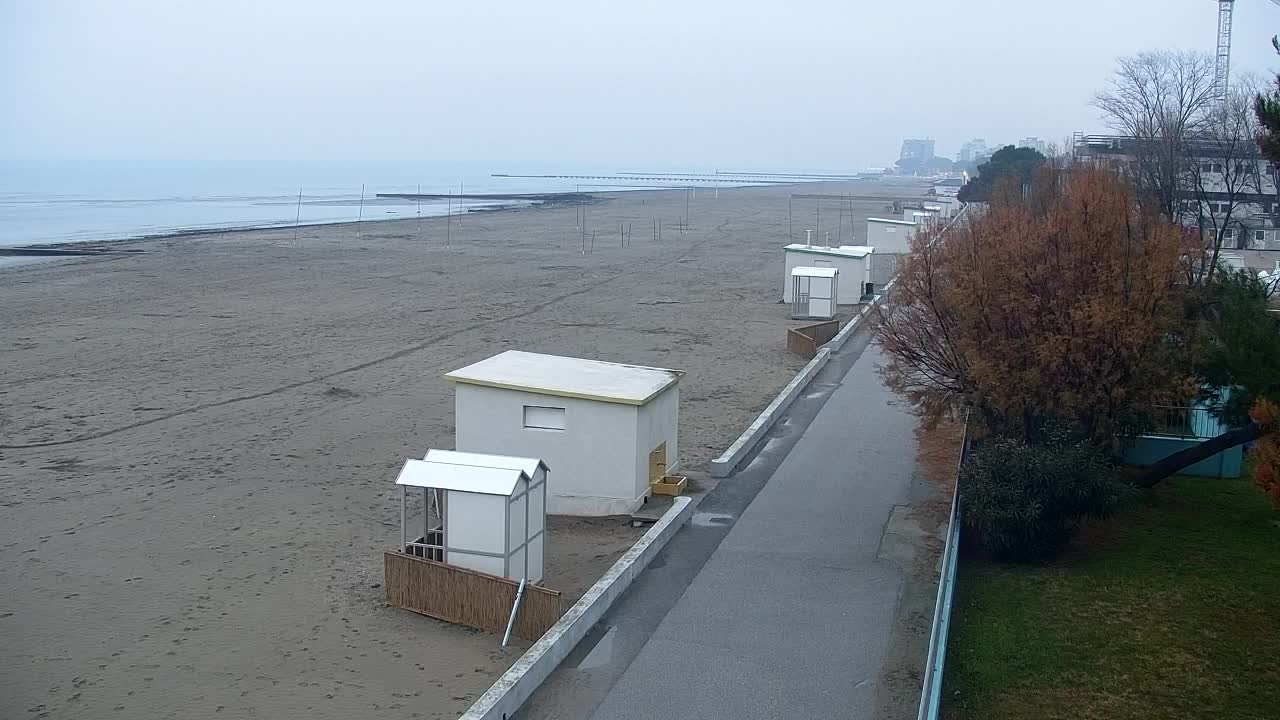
<point>538,417</point>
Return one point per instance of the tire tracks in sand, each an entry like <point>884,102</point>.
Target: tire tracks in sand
<point>417,347</point>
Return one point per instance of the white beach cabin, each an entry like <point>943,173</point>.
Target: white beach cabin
<point>922,214</point>
<point>481,512</point>
<point>890,236</point>
<point>814,291</point>
<point>853,262</point>
<point>608,429</point>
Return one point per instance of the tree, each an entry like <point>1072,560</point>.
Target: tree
<point>1158,100</point>
<point>1267,110</point>
<point>1239,370</point>
<point>1192,155</point>
<point>1008,163</point>
<point>1056,305</point>
<point>1221,175</point>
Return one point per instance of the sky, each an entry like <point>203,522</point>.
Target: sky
<point>654,85</point>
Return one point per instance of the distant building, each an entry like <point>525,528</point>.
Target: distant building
<point>1254,219</point>
<point>1034,143</point>
<point>972,150</point>
<point>917,149</point>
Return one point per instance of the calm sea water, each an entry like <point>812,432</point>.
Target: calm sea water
<point>61,204</point>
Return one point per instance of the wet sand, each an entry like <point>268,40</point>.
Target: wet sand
<point>197,445</point>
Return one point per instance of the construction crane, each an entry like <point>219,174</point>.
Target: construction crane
<point>1222,70</point>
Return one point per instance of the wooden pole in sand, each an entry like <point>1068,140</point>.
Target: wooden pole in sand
<point>790,234</point>
<point>360,216</point>
<point>297,218</point>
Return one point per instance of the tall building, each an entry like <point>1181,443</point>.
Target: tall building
<point>917,149</point>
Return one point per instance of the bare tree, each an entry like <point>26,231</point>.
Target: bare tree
<point>1159,99</point>
<point>1221,179</point>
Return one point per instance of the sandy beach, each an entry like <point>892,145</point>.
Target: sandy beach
<point>197,444</point>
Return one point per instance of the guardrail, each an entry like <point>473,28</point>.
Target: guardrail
<point>931,690</point>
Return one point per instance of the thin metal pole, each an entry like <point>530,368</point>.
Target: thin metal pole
<point>297,218</point>
<point>418,198</point>
<point>818,224</point>
<point>515,607</point>
<point>790,235</point>
<point>404,517</point>
<point>462,190</point>
<point>448,219</point>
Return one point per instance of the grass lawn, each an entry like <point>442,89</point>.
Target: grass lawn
<point>1171,610</point>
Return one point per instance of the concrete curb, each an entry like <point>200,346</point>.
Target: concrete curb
<point>728,461</point>
<point>515,686</point>
<point>738,451</point>
<point>837,342</point>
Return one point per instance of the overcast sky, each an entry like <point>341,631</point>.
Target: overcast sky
<point>655,84</point>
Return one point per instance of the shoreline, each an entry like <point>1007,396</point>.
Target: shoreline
<point>534,201</point>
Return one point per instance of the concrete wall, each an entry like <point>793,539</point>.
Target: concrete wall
<point>592,472</point>
<point>1147,450</point>
<point>853,273</point>
<point>889,238</point>
<point>657,422</point>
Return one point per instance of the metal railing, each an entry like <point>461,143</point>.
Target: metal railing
<point>1185,422</point>
<point>931,690</point>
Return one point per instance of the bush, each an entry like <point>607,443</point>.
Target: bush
<point>1024,501</point>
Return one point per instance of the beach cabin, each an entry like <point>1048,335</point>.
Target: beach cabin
<point>922,214</point>
<point>852,261</point>
<point>480,512</point>
<point>608,429</point>
<point>890,236</point>
<point>814,292</point>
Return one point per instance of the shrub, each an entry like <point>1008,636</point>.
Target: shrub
<point>1025,501</point>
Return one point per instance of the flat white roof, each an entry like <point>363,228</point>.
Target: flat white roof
<point>528,466</point>
<point>891,222</point>
<point>853,251</point>
<point>568,377</point>
<point>814,272</point>
<point>463,478</point>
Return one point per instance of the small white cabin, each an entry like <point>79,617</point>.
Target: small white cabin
<point>482,512</point>
<point>922,214</point>
<point>814,291</point>
<point>890,236</point>
<point>608,429</point>
<point>853,262</point>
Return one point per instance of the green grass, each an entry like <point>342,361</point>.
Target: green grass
<point>1171,610</point>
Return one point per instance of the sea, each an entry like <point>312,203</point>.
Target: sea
<point>43,203</point>
<point>48,203</point>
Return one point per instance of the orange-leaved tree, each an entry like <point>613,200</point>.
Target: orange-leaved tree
<point>1059,304</point>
